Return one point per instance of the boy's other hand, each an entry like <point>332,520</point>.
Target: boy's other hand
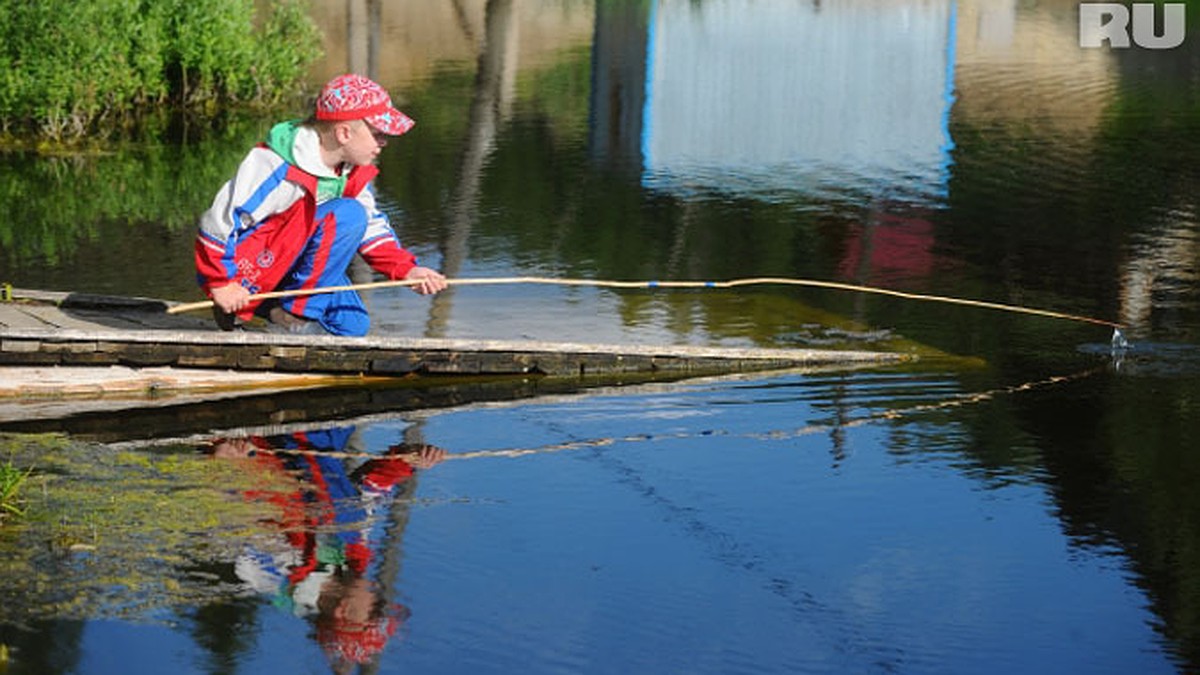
<point>431,281</point>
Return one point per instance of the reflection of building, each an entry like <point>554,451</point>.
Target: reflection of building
<point>405,41</point>
<point>1160,273</point>
<point>1061,89</point>
<point>777,95</point>
<point>892,246</point>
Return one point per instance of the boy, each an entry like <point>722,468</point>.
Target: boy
<point>298,209</point>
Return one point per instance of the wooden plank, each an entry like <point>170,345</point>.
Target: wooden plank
<point>190,356</point>
<point>393,362</point>
<point>501,362</point>
<point>74,329</point>
<point>15,316</point>
<point>31,358</point>
<point>56,391</point>
<point>439,361</point>
<point>254,358</point>
<point>55,317</point>
<point>77,310</point>
<point>20,346</point>
<point>339,361</point>
<point>395,355</point>
<point>144,355</point>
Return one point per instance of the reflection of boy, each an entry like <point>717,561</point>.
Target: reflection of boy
<point>299,208</point>
<point>352,622</point>
<point>321,574</point>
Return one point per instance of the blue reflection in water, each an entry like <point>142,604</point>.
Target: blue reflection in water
<point>787,523</point>
<point>699,541</point>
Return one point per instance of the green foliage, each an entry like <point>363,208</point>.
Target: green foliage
<point>66,66</point>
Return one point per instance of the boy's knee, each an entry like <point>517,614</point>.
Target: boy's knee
<point>348,214</point>
<point>348,211</point>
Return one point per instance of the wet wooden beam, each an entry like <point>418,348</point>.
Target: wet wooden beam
<point>46,328</point>
<point>392,355</point>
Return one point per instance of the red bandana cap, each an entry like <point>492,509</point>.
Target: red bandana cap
<point>354,97</point>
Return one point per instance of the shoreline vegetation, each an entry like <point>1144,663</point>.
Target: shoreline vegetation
<point>76,71</point>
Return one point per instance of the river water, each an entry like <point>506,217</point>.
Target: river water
<point>1019,499</point>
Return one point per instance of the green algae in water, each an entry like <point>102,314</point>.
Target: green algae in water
<point>121,534</point>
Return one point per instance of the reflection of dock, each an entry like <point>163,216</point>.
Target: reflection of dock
<point>179,419</point>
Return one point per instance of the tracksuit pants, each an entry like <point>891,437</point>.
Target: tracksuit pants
<point>325,260</point>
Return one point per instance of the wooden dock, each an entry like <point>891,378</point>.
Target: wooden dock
<point>60,330</point>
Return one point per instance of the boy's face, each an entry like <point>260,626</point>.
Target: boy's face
<point>233,448</point>
<point>361,143</point>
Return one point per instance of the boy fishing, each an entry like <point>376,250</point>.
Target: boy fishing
<point>299,208</point>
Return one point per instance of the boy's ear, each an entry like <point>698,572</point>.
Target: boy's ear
<point>342,132</point>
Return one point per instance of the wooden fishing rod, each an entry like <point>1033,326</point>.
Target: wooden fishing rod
<point>733,283</point>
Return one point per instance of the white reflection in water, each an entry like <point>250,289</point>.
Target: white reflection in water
<point>786,98</point>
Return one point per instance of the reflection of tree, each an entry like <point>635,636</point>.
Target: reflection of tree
<point>1115,235</point>
<point>362,37</point>
<point>391,554</point>
<point>1069,206</point>
<point>1121,463</point>
<point>1117,459</point>
<point>493,93</point>
<point>46,646</point>
<point>131,203</point>
<point>225,628</point>
<point>1147,148</point>
<point>618,95</point>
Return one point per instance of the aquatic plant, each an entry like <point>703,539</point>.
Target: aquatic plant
<point>11,480</point>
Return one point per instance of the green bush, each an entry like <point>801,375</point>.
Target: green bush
<point>73,67</point>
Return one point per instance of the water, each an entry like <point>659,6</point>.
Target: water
<point>1020,499</point>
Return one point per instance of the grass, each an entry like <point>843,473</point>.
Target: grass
<point>11,480</point>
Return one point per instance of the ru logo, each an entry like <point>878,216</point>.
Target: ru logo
<point>1100,21</point>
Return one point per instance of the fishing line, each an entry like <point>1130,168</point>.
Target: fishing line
<point>732,283</point>
<point>957,401</point>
